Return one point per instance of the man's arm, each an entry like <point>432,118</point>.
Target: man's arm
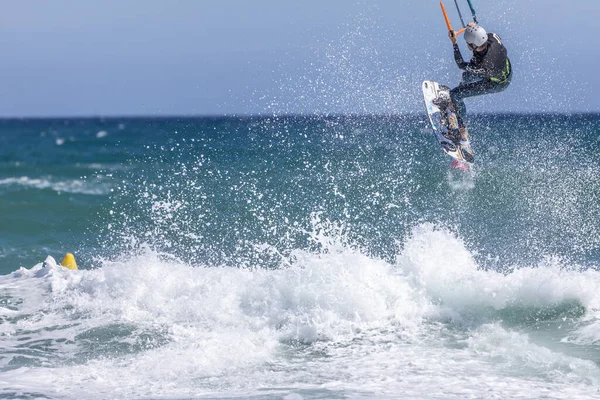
<point>478,70</point>
<point>458,58</point>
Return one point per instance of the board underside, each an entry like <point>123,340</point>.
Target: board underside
<point>445,126</point>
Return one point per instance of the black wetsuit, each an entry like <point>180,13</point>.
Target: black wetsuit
<point>487,72</point>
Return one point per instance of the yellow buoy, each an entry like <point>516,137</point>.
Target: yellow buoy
<point>69,261</point>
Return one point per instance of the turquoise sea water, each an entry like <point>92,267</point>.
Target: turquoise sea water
<point>314,257</point>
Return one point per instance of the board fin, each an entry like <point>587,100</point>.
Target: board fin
<point>459,165</point>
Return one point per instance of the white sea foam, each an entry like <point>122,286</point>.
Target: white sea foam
<point>441,265</point>
<point>336,321</point>
<point>588,330</point>
<point>103,166</point>
<point>68,186</point>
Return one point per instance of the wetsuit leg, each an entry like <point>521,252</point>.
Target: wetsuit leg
<point>470,88</point>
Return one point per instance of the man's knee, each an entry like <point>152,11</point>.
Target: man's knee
<point>468,77</point>
<point>454,94</point>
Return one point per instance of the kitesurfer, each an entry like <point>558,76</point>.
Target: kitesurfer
<point>488,71</point>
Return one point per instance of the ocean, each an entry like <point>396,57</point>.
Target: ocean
<point>299,257</point>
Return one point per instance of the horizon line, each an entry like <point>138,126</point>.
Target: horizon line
<point>283,115</point>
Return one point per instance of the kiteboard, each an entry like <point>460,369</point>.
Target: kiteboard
<point>445,125</point>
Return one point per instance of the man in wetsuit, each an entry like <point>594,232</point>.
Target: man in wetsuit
<point>488,71</point>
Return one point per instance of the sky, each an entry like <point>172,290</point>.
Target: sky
<point>225,57</point>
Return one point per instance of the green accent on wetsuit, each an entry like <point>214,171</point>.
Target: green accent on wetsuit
<point>505,74</point>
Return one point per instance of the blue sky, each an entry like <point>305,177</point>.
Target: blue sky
<point>211,57</point>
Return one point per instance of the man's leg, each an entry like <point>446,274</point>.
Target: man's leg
<point>465,90</point>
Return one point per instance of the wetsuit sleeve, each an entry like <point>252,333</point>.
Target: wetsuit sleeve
<point>458,58</point>
<point>478,69</point>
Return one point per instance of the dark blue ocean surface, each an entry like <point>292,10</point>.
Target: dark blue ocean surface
<point>212,189</point>
<point>311,257</point>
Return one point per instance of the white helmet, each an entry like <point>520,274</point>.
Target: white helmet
<point>475,35</point>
